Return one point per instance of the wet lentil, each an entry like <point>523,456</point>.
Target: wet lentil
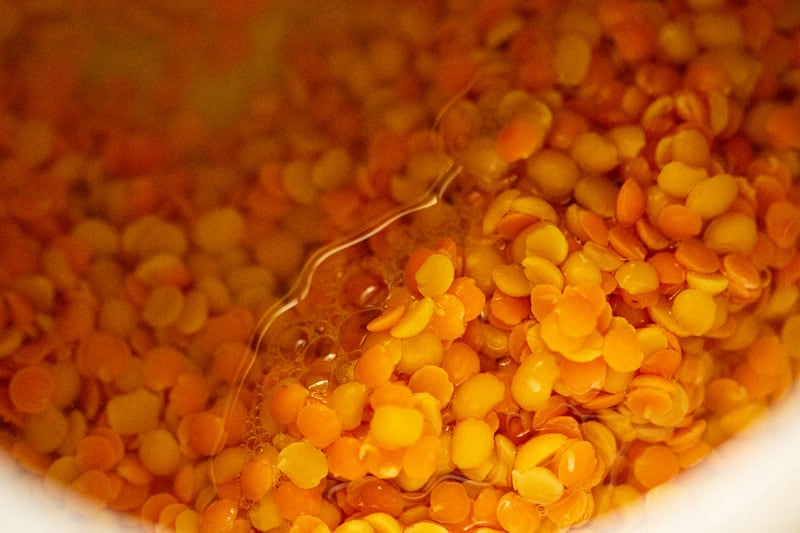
<point>625,301</point>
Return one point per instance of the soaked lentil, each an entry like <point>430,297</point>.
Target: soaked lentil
<point>606,293</point>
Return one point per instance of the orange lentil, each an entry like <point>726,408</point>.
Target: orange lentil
<point>622,351</point>
<point>679,222</point>
<point>507,310</point>
<point>519,139</point>
<point>160,452</point>
<point>412,266</point>
<point>218,517</point>
<point>130,497</point>
<point>626,243</point>
<point>731,232</point>
<point>375,367</point>
<point>449,503</point>
<point>782,221</point>
<point>724,395</point>
<point>152,507</point>
<point>460,361</point>
<point>392,393</point>
<point>434,275</point>
<point>655,466</point>
<point>309,524</point>
<point>31,388</point>
<point>130,467</point>
<point>96,452</point>
<point>630,202</point>
<point>567,126</point>
<point>189,394</point>
<point>344,458</point>
<point>663,362</point>
<point>513,223</point>
<point>382,462</point>
<point>96,485</point>
<point>161,367</point>
<point>387,319</point>
<point>206,432</point>
<point>694,255</point>
<point>293,501</point>
<point>637,277</point>
<point>448,318</point>
<point>544,298</point>
<point>170,513</point>
<point>517,515</point>
<point>103,355</point>
<point>592,226</point>
<point>183,483</point>
<point>577,462</point>
<point>419,350</point>
<point>434,380</point>
<point>669,270</point>
<point>781,127</point>
<point>286,401</point>
<point>581,377</point>
<point>415,319</point>
<point>230,361</point>
<point>32,460</point>
<point>533,381</point>
<point>319,424</point>
<point>484,509</point>
<point>421,458</point>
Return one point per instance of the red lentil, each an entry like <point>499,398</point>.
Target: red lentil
<point>615,294</point>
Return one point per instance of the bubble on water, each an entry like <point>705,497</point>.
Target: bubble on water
<point>315,334</point>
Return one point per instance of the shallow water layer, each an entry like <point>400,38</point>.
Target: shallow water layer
<point>604,295</point>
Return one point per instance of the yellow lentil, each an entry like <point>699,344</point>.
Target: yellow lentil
<point>159,452</point>
<point>164,306</point>
<point>731,233</point>
<point>415,319</point>
<point>472,444</point>
<point>394,426</point>
<point>135,412</point>
<point>348,401</point>
<point>572,57</point>
<point>637,277</point>
<point>537,484</point>
<point>552,173</point>
<point>435,275</point>
<point>678,179</point>
<point>547,241</point>
<point>695,310</point>
<point>711,197</point>
<point>218,230</point>
<point>597,194</point>
<point>383,523</point>
<point>303,464</point>
<point>45,431</point>
<point>533,381</point>
<point>477,395</point>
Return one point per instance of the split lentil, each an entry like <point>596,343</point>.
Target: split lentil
<point>604,293</point>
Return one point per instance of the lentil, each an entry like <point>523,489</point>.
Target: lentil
<point>303,464</point>
<point>473,443</point>
<point>394,426</point>
<point>615,295</point>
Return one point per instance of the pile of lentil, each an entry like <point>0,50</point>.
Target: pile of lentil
<point>606,293</point>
